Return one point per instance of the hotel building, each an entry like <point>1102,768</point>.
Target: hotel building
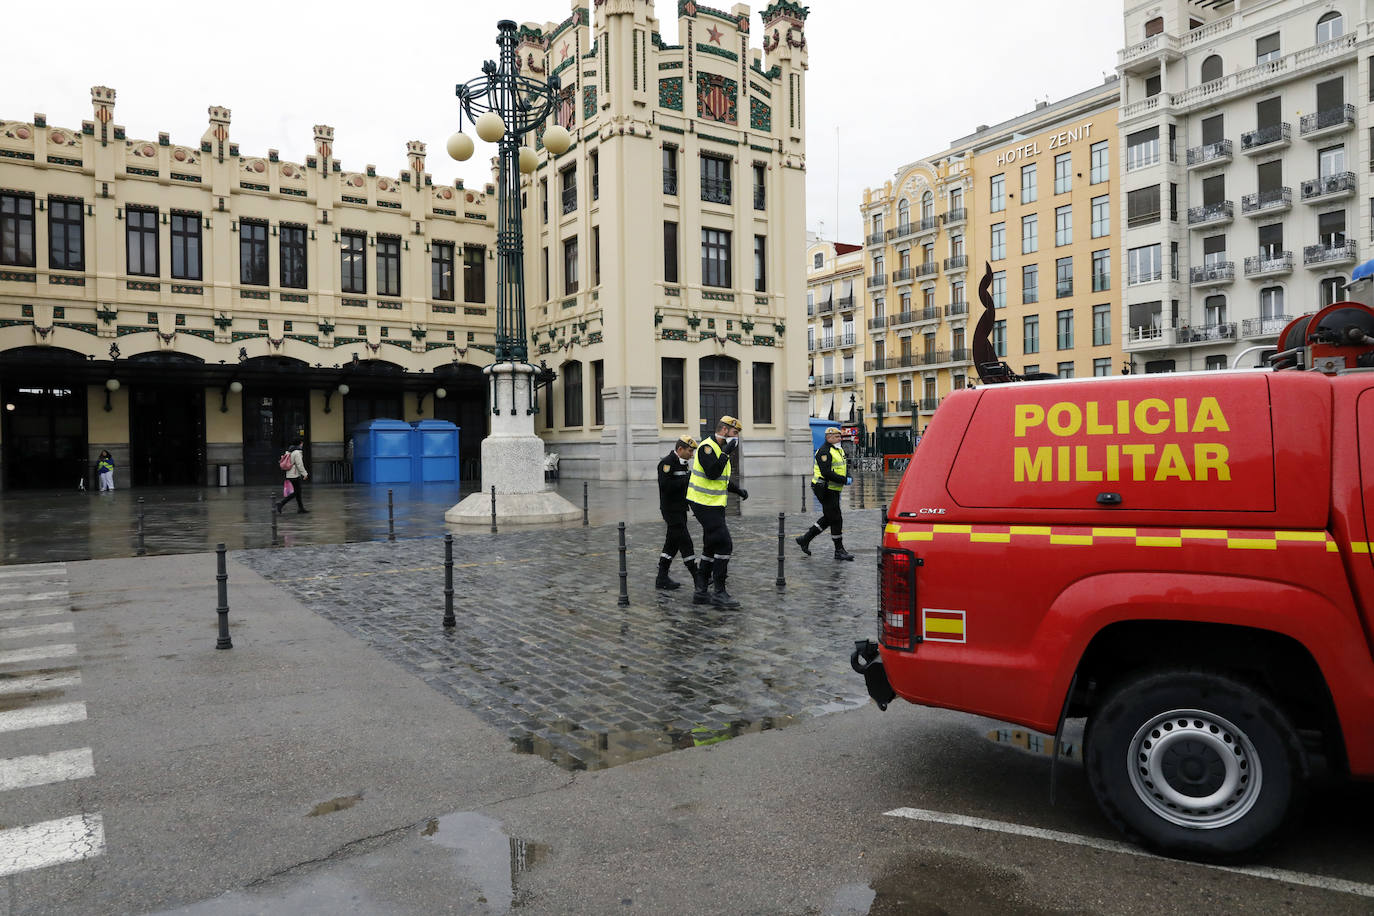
<point>835,335</point>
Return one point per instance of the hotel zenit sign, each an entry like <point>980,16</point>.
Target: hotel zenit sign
<point>1055,141</point>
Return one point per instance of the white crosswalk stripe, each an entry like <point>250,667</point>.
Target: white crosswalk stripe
<point>33,602</point>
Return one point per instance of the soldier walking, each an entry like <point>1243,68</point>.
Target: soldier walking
<point>673,475</point>
<point>706,490</point>
<point>829,475</point>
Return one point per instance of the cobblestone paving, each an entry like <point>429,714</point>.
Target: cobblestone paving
<point>542,650</point>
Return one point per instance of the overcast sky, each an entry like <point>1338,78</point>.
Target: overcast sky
<point>889,82</point>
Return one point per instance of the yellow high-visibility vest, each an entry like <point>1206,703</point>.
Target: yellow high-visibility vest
<point>838,463</point>
<point>701,489</point>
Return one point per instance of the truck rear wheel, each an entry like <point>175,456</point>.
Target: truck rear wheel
<point>1195,763</point>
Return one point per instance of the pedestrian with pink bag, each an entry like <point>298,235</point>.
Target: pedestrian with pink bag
<point>293,462</point>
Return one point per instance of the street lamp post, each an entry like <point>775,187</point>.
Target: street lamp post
<point>504,105</point>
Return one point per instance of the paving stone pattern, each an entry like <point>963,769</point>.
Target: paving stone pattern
<point>542,650</point>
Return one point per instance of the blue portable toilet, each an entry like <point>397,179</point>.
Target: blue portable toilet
<point>381,452</point>
<point>433,451</point>
<point>818,428</point>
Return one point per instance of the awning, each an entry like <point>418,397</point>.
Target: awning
<point>1364,270</point>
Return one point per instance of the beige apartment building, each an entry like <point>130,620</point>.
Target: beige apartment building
<point>835,328</point>
<point>1032,199</point>
<point>663,250</point>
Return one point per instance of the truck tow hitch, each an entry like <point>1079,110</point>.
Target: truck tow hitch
<point>866,661</point>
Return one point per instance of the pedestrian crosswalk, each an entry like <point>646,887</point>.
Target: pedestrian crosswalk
<point>38,653</point>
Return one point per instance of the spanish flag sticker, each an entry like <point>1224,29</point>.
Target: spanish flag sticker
<point>943,626</point>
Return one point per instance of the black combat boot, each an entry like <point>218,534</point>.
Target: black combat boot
<point>663,582</point>
<point>701,579</point>
<point>840,552</point>
<point>720,597</point>
<point>804,540</point>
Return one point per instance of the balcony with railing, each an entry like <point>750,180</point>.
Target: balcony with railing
<point>956,262</point>
<point>847,378</point>
<point>825,306</point>
<point>925,224</point>
<point>1211,214</point>
<point>569,199</point>
<point>845,302</point>
<point>1328,187</point>
<point>1138,276</point>
<point>844,340</point>
<point>958,307</point>
<point>1147,53</point>
<point>1265,76</point>
<point>1135,220</point>
<point>928,405</point>
<point>1213,274</point>
<point>715,190</point>
<point>1269,264</point>
<point>760,201</point>
<point>1209,154</point>
<point>1264,327</point>
<point>670,181</point>
<point>827,342</point>
<point>906,406</point>
<point>876,238</point>
<point>902,230</point>
<point>903,275</point>
<point>901,318</point>
<point>1266,139</point>
<point>954,217</point>
<point>1208,333</point>
<point>928,313</point>
<point>1264,203</point>
<point>877,324</point>
<point>877,280</point>
<point>927,268</point>
<point>1327,121</point>
<point>1329,254</point>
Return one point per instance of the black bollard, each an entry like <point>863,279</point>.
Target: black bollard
<point>390,518</point>
<point>142,551</point>
<point>624,600</point>
<point>884,517</point>
<point>222,577</point>
<point>493,508</point>
<point>584,504</point>
<point>803,494</point>
<point>782,534</point>
<point>449,619</point>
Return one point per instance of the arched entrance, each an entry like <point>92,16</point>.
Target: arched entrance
<point>166,422</point>
<point>466,407</point>
<point>276,411</point>
<point>43,402</point>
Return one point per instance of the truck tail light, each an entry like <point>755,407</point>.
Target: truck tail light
<point>897,598</point>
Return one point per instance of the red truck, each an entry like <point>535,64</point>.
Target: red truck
<point>1183,559</point>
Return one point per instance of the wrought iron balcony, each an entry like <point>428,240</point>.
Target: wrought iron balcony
<point>1220,272</point>
<point>959,307</point>
<point>1325,254</point>
<point>844,340</point>
<point>1329,187</point>
<point>877,324</point>
<point>845,302</point>
<point>877,280</point>
<point>1269,264</point>
<point>903,275</point>
<point>900,232</point>
<point>715,190</point>
<point>1210,154</point>
<point>928,313</point>
<point>1206,333</point>
<point>569,199</point>
<point>670,181</point>
<point>1211,214</point>
<point>1264,139</point>
<point>956,262</point>
<point>825,306</point>
<point>847,378</point>
<point>1261,203</point>
<point>827,379</point>
<point>927,269</point>
<point>1327,121</point>
<point>928,405</point>
<point>1264,327</point>
<point>875,238</point>
<point>906,406</point>
<point>812,346</point>
<point>759,199</point>
<point>955,216</point>
<point>828,343</point>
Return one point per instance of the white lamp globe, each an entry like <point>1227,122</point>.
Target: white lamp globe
<point>343,389</point>
<point>441,392</point>
<point>490,127</point>
<point>236,386</point>
<point>112,385</point>
<point>529,160</point>
<point>557,139</point>
<point>460,146</point>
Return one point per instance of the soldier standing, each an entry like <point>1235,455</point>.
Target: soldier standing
<point>706,490</point>
<point>673,475</point>
<point>829,475</point>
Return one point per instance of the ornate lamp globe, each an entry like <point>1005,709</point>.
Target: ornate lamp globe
<point>490,127</point>
<point>557,139</point>
<point>529,160</point>
<point>460,146</point>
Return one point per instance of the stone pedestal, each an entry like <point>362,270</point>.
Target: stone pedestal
<point>512,459</point>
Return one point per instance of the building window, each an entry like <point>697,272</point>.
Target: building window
<point>544,199</point>
<point>760,186</point>
<point>670,253</point>
<point>1330,27</point>
<point>547,287</point>
<point>674,398</point>
<point>997,249</point>
<point>1211,69</point>
<point>596,256</point>
<point>1142,148</point>
<point>999,289</point>
<point>441,270</point>
<point>1214,311</point>
<point>186,256</point>
<point>598,400</point>
<point>291,253</point>
<point>1271,302</point>
<point>1065,370</point>
<point>1267,48</point>
<point>1063,278</point>
<point>570,266</point>
<point>1063,173</point>
<point>475,273</point>
<point>1029,191</point>
<point>66,235</point>
<point>997,197</point>
<point>999,337</point>
<point>595,163</point>
<point>1102,216</point>
<point>927,208</point>
<point>1030,334</point>
<point>1102,325</point>
<point>388,265</point>
<point>760,263</point>
<point>1144,265</point>
<point>1102,366</point>
<point>763,393</point>
<point>140,237</point>
<point>1101,167</point>
<point>568,182</point>
<point>715,257</point>
<point>1142,206</point>
<point>1331,290</point>
<point>1030,283</point>
<point>572,393</point>
<point>818,261</point>
<point>17,231</point>
<point>670,170</point>
<point>715,179</point>
<point>1215,362</point>
<point>903,215</point>
<point>353,262</point>
<point>1063,226</point>
<point>1030,369</point>
<point>1030,233</point>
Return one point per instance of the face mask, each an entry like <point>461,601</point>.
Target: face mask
<point>733,440</point>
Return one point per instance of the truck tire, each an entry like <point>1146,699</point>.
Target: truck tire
<point>1195,764</point>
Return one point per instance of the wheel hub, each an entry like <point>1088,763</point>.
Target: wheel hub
<point>1194,768</point>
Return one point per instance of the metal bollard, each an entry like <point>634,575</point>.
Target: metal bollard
<point>803,493</point>
<point>624,600</point>
<point>884,516</point>
<point>584,504</point>
<point>222,577</point>
<point>493,508</point>
<point>390,518</point>
<point>449,619</point>
<point>273,512</point>
<point>142,551</point>
<point>781,581</point>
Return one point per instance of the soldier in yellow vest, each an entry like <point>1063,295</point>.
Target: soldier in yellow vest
<point>706,490</point>
<point>828,478</point>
